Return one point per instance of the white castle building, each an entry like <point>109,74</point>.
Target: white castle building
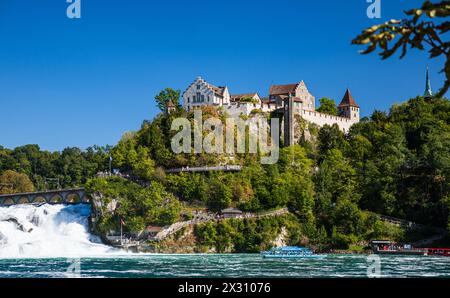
<point>202,93</point>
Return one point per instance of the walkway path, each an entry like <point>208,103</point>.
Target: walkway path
<point>227,168</point>
<point>440,232</point>
<point>202,217</point>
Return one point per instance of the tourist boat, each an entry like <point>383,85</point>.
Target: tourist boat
<point>444,252</point>
<point>386,247</point>
<point>291,252</point>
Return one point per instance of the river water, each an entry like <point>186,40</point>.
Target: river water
<point>54,241</point>
<point>232,265</point>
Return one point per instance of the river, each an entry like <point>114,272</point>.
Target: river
<point>230,265</point>
<point>53,241</point>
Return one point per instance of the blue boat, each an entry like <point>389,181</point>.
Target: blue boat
<point>291,252</point>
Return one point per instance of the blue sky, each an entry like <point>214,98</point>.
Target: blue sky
<point>66,82</point>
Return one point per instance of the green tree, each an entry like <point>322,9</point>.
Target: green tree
<point>415,32</point>
<point>220,195</point>
<point>13,182</point>
<point>328,106</point>
<point>330,137</point>
<point>166,96</point>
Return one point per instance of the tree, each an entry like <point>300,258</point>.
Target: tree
<point>412,32</point>
<point>330,137</point>
<point>13,182</point>
<point>336,178</point>
<point>327,106</point>
<point>220,195</point>
<point>166,96</point>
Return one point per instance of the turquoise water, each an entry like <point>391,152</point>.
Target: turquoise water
<point>230,265</point>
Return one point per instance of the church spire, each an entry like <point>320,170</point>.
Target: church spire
<point>428,92</point>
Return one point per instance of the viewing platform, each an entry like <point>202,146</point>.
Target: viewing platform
<point>230,168</point>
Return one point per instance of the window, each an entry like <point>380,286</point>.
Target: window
<point>188,100</point>
<point>203,98</point>
<point>198,87</point>
<point>193,98</point>
<point>198,96</point>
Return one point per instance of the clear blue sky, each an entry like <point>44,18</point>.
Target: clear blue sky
<point>82,82</point>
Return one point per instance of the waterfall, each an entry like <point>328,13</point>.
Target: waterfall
<point>48,231</point>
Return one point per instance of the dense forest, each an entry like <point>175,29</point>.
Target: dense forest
<point>394,163</point>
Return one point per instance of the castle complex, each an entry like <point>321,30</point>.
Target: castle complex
<point>292,99</point>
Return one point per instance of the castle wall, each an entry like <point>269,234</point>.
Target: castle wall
<point>321,119</point>
<point>236,109</point>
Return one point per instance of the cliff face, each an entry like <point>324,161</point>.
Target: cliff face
<point>185,241</point>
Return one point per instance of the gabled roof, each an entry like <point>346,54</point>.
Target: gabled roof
<point>151,229</point>
<point>170,104</point>
<point>217,90</point>
<point>231,210</point>
<point>266,100</point>
<point>348,100</point>
<point>282,89</point>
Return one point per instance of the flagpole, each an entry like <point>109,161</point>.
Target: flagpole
<point>121,230</point>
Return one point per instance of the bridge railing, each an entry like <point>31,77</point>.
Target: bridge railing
<point>228,168</point>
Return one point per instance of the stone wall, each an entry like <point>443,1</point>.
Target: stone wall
<point>321,119</point>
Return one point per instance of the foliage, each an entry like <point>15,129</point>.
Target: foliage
<point>166,96</point>
<point>415,32</point>
<point>13,182</point>
<point>72,167</point>
<point>248,235</point>
<point>393,163</point>
<point>137,206</point>
<point>328,106</point>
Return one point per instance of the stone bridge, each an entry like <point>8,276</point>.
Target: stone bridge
<point>64,196</point>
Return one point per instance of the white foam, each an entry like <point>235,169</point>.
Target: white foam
<point>48,231</point>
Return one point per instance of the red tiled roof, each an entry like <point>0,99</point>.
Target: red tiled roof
<point>282,89</point>
<point>153,229</point>
<point>348,100</point>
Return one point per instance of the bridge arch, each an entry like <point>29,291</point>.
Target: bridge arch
<point>73,197</point>
<point>85,199</point>
<point>23,200</point>
<point>8,202</point>
<point>39,199</point>
<point>55,199</point>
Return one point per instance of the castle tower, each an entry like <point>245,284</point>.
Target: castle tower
<point>428,92</point>
<point>170,107</point>
<point>348,107</point>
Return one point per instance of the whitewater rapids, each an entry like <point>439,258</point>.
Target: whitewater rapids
<point>49,231</point>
